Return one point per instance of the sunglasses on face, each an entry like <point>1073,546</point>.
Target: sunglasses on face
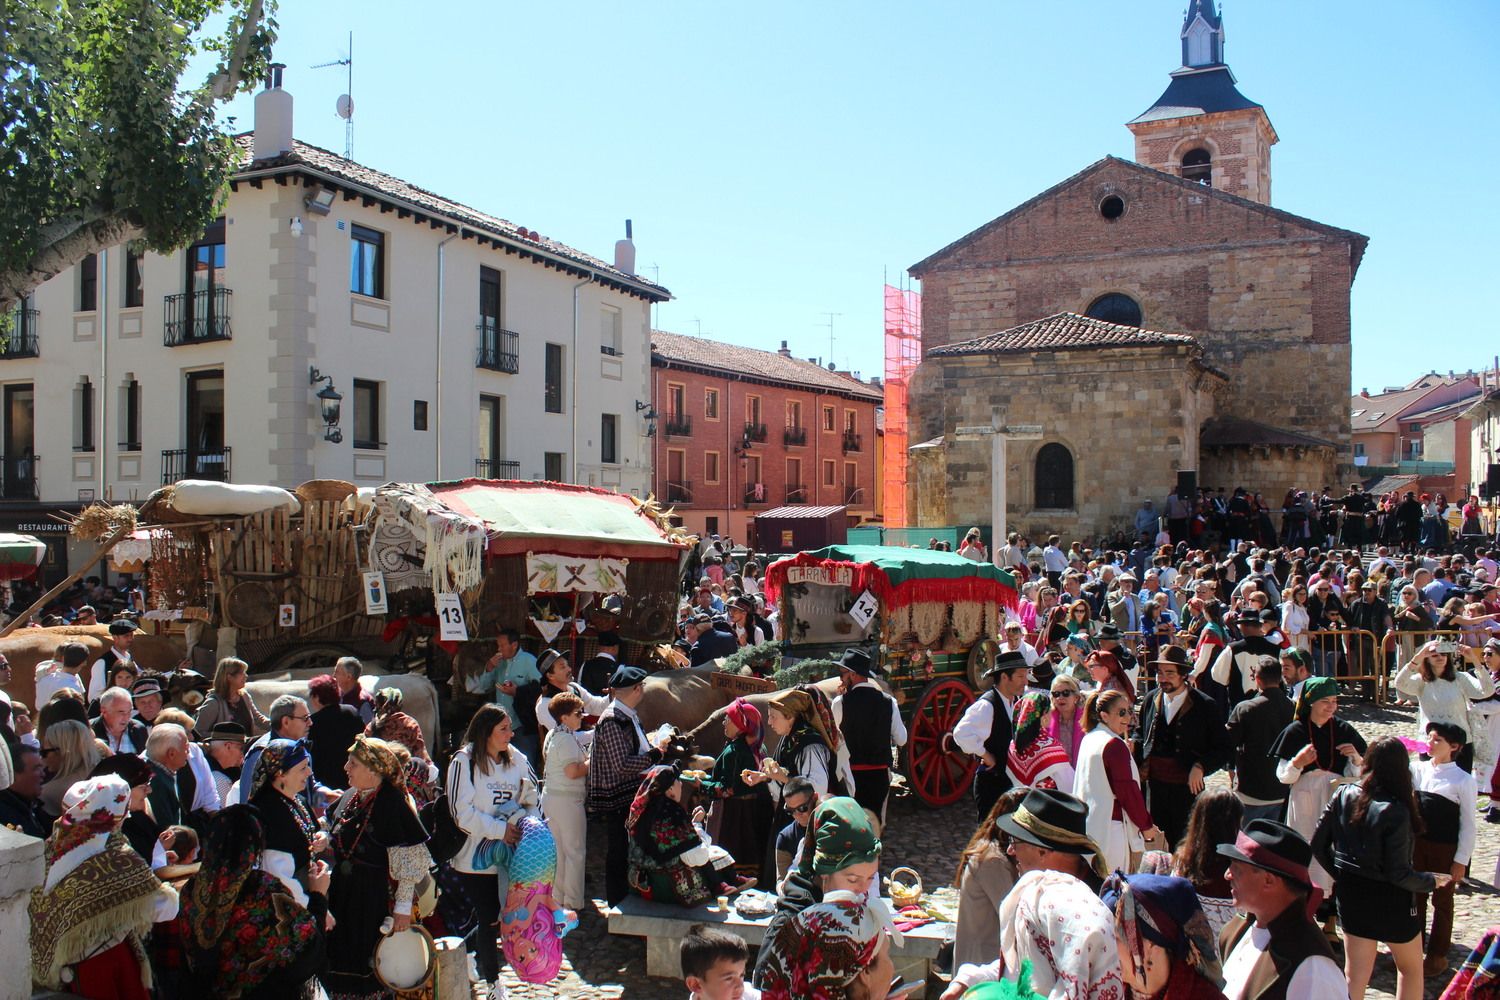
<point>801,810</point>
<point>1060,695</point>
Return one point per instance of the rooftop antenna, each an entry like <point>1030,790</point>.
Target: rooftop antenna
<point>829,324</point>
<point>344,107</point>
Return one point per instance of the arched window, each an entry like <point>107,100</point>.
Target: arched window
<point>1054,478</point>
<point>1197,165</point>
<point>1116,308</point>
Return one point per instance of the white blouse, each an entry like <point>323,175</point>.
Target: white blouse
<point>1456,785</point>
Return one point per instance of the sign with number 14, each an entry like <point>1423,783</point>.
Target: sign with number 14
<point>451,624</point>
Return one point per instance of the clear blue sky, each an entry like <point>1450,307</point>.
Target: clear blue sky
<point>779,158</point>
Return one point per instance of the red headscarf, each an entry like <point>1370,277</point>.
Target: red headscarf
<point>746,718</point>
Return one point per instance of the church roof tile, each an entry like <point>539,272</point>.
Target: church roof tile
<point>710,355</point>
<point>1063,332</point>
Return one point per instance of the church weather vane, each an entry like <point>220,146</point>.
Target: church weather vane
<point>344,107</point>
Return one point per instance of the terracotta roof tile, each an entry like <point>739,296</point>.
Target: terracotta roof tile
<point>331,163</point>
<point>731,359</point>
<point>1063,332</point>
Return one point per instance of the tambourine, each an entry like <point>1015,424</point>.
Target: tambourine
<point>406,963</point>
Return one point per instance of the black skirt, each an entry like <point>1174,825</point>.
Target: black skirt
<point>1376,910</point>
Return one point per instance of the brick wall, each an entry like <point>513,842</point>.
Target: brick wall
<point>1239,143</point>
<point>724,501</point>
<point>1268,298</point>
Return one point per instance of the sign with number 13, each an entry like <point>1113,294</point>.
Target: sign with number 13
<point>451,624</point>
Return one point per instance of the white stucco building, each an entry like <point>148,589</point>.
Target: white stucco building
<point>461,345</point>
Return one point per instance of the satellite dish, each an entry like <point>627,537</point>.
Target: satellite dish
<point>345,106</point>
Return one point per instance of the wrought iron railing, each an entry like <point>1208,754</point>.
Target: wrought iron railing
<point>755,493</point>
<point>794,435</point>
<point>496,468</point>
<point>755,432</point>
<point>796,493</point>
<point>678,424</point>
<point>192,463</point>
<point>18,334</point>
<point>20,478</point>
<point>197,317</point>
<point>499,350</point>
<point>679,492</point>
<point>851,442</point>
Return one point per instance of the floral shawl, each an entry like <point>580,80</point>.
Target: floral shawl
<point>822,950</point>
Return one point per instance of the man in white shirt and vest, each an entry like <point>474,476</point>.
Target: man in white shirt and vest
<point>987,726</point>
<point>870,722</point>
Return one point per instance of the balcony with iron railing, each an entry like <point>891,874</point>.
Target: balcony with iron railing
<point>853,496</point>
<point>678,424</point>
<point>496,468</point>
<point>851,442</point>
<point>18,333</point>
<point>499,350</point>
<point>755,432</point>
<point>755,493</point>
<point>794,435</point>
<point>196,317</point>
<point>192,463</point>
<point>796,493</point>
<point>679,492</point>
<point>19,478</point>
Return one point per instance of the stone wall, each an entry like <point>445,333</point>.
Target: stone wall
<point>1268,297</point>
<point>1239,144</point>
<point>1129,416</point>
<point>21,870</point>
<point>1270,471</point>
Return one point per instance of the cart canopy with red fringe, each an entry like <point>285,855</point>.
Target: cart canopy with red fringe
<point>897,576</point>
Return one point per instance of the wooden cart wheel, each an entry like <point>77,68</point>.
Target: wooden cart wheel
<point>981,656</point>
<point>250,605</point>
<point>940,773</point>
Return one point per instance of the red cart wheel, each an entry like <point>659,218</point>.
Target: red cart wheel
<point>940,773</point>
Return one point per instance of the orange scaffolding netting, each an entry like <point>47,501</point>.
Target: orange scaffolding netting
<point>903,352</point>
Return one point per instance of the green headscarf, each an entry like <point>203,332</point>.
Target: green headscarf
<point>1314,689</point>
<point>842,836</point>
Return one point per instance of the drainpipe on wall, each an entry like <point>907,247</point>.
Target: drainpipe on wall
<point>437,471</point>
<point>573,396</point>
<point>101,397</point>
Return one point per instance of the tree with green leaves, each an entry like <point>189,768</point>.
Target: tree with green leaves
<point>101,141</point>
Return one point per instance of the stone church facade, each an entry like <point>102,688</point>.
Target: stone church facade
<point>1182,244</point>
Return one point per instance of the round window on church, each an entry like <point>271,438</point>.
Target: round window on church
<point>1115,308</point>
<point>1112,207</point>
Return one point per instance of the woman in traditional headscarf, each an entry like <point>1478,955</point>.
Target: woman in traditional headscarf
<point>380,852</point>
<point>669,861</point>
<point>1315,754</point>
<point>809,744</point>
<point>395,726</point>
<point>98,899</point>
<point>1108,674</point>
<point>246,938</point>
<point>1075,649</point>
<point>740,818</point>
<point>1036,760</point>
<point>810,947</point>
<point>292,835</point>
<point>1167,948</point>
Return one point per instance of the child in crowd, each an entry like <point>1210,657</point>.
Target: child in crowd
<point>713,965</point>
<point>563,793</point>
<point>181,845</point>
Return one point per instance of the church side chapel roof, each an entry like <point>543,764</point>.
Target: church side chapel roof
<point>1063,332</point>
<point>1238,432</point>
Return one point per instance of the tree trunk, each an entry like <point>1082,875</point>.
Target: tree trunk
<point>52,259</point>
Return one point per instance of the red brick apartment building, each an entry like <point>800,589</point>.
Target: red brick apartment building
<point>741,431</point>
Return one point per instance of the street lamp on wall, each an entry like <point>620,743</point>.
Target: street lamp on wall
<point>650,416</point>
<point>329,399</point>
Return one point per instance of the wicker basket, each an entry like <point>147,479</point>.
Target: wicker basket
<point>907,891</point>
<point>331,490</point>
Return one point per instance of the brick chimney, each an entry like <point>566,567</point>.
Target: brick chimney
<point>785,352</point>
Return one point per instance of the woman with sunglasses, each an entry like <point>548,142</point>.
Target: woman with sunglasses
<point>1065,724</point>
<point>1109,782</point>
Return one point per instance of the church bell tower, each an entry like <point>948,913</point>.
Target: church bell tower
<point>1202,128</point>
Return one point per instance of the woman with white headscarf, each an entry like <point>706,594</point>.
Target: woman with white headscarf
<point>98,900</point>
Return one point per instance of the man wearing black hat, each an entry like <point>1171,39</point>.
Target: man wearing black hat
<point>1110,641</point>
<point>225,750</point>
<point>1272,949</point>
<point>620,753</point>
<point>1180,742</point>
<point>121,635</point>
<point>987,726</point>
<point>871,725</point>
<point>1234,670</point>
<point>1068,941</point>
<point>148,695</point>
<point>595,672</point>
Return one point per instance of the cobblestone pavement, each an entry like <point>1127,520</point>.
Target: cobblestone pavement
<point>601,966</point>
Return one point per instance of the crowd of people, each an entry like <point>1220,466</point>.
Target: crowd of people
<point>1103,860</point>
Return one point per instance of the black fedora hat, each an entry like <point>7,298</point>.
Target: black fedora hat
<point>1274,846</point>
<point>856,660</point>
<point>226,732</point>
<point>1050,819</point>
<point>1176,656</point>
<point>1008,660</point>
<point>1109,630</point>
<point>1249,616</point>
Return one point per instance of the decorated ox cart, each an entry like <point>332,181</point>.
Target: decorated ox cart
<point>927,617</point>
